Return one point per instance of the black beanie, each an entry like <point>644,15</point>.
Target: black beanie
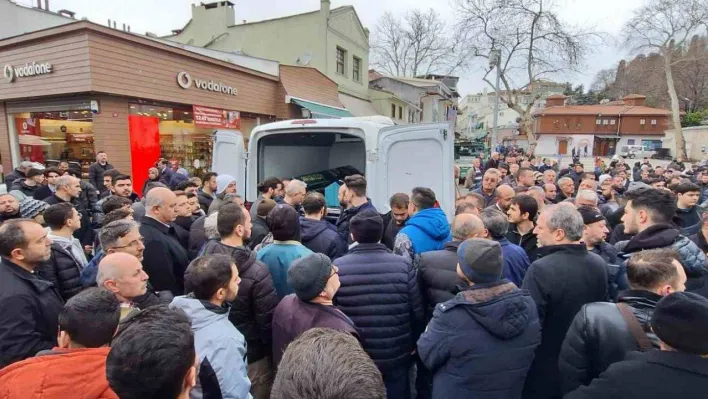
<point>367,227</point>
<point>680,320</point>
<point>308,276</point>
<point>283,221</point>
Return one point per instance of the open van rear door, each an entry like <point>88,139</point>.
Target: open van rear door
<point>411,156</point>
<point>229,157</point>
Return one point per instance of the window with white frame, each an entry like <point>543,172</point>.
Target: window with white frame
<point>598,121</point>
<point>642,122</point>
<point>612,122</point>
<point>605,122</point>
<point>341,57</point>
<point>653,122</point>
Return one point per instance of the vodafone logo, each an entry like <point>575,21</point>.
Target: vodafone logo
<point>184,80</point>
<point>11,73</point>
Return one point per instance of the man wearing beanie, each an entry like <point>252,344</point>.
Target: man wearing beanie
<point>680,321</point>
<point>225,184</point>
<point>482,342</point>
<point>380,293</point>
<point>315,281</point>
<point>595,233</point>
<point>602,332</point>
<point>286,247</point>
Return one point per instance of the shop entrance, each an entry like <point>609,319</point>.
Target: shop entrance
<point>604,146</point>
<point>563,147</point>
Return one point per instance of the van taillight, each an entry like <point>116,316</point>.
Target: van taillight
<point>304,122</point>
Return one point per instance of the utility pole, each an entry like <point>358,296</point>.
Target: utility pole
<point>494,61</point>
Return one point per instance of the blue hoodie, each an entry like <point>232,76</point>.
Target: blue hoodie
<point>427,230</point>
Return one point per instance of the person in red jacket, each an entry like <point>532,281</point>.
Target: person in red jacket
<point>76,368</point>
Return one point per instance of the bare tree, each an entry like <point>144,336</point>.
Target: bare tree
<point>417,44</point>
<point>665,26</point>
<point>534,43</point>
<point>604,80</point>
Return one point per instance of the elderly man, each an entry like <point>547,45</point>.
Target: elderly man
<point>561,281</point>
<point>493,161</point>
<point>122,274</point>
<point>165,258</point>
<point>567,188</point>
<point>68,189</point>
<point>119,236</point>
<point>595,233</point>
<point>19,173</point>
<point>587,198</point>
<point>588,184</point>
<point>97,169</point>
<point>488,190</point>
<point>496,227</point>
<point>551,193</point>
<point>503,198</point>
<point>549,176</point>
<point>295,193</point>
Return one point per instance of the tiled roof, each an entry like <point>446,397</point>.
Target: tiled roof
<point>309,84</point>
<point>602,110</point>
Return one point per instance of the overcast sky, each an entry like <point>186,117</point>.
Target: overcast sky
<point>161,16</point>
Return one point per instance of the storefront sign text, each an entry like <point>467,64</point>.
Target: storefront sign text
<point>34,69</point>
<point>185,81</point>
<point>216,118</point>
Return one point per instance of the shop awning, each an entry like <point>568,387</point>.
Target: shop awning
<point>28,139</point>
<point>357,106</point>
<point>608,137</point>
<point>320,111</point>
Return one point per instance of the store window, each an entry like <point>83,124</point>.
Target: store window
<point>50,138</point>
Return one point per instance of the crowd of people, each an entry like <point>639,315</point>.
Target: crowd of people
<point>548,283</point>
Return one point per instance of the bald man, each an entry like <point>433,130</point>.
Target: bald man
<point>438,269</point>
<point>164,257</point>
<point>504,195</point>
<point>123,274</point>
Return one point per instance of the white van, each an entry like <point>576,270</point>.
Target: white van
<point>636,151</point>
<point>393,158</point>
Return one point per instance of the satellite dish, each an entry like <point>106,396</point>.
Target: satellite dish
<point>305,59</point>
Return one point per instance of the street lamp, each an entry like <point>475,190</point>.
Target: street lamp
<point>494,62</point>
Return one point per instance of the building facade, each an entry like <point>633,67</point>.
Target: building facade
<point>333,41</point>
<point>431,99</point>
<point>16,20</point>
<point>598,130</point>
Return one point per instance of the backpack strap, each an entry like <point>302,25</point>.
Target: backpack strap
<point>635,328</point>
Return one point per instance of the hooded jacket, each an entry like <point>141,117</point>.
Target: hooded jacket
<point>14,175</point>
<point>63,269</point>
<point>204,199</point>
<point>278,256</point>
<point>599,337</point>
<point>427,230</point>
<point>321,236</point>
<point>252,311</point>
<point>346,217</point>
<point>259,231</point>
<point>221,349</point>
<point>481,343</point>
<point>60,374</point>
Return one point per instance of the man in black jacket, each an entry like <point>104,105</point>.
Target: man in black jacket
<point>96,171</point>
<point>601,334</point>
<point>317,234</point>
<point>252,311</point>
<point>437,272</point>
<point>398,218</point>
<point>564,278</point>
<point>680,321</point>
<point>30,185</point>
<point>19,173</point>
<point>522,213</point>
<point>46,190</point>
<point>260,229</point>
<point>29,305</point>
<point>122,274</point>
<point>595,233</point>
<point>9,207</point>
<point>206,194</point>
<point>165,260</point>
<point>68,189</point>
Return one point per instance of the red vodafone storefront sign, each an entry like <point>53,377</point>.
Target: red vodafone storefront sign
<point>216,118</point>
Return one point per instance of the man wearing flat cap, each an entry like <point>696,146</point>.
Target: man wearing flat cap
<point>482,342</point>
<point>314,280</point>
<point>679,369</point>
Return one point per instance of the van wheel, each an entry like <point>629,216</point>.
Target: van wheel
<point>631,156</point>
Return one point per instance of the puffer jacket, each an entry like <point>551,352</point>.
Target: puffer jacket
<point>662,236</point>
<point>599,337</point>
<point>321,236</point>
<point>481,343</point>
<point>63,270</point>
<point>252,311</point>
<point>345,218</point>
<point>438,278</point>
<point>427,230</point>
<point>380,293</point>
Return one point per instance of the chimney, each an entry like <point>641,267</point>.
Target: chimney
<point>46,5</point>
<point>556,100</point>
<point>635,100</point>
<point>324,8</point>
<point>214,16</point>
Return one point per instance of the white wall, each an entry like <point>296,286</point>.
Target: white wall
<point>17,20</point>
<point>548,144</point>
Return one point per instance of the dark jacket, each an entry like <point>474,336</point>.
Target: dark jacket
<point>14,175</point>
<point>491,163</point>
<point>166,176</point>
<point>650,375</point>
<point>515,262</point>
<point>95,172</point>
<point>205,200</point>
<point>346,217</point>
<point>438,278</point>
<point>63,270</point>
<point>662,236</point>
<point>528,241</point>
<point>29,313</point>
<point>379,292</point>
<point>252,311</point>
<point>293,317</point>
<point>321,236</point>
<point>391,230</point>
<point>164,259</point>
<point>607,252</point>
<point>561,281</point>
<point>489,200</point>
<point>43,193</point>
<point>19,185</point>
<point>259,231</point>
<point>197,238</point>
<point>689,220</point>
<point>182,226</point>
<point>481,343</point>
<point>83,233</point>
<point>599,337</point>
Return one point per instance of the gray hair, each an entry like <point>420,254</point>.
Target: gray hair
<point>151,185</point>
<point>464,226</point>
<point>588,195</point>
<point>153,199</point>
<point>295,186</point>
<point>25,165</point>
<point>114,231</point>
<point>64,181</point>
<point>538,189</point>
<point>562,180</point>
<point>210,226</point>
<point>566,218</point>
<point>495,222</point>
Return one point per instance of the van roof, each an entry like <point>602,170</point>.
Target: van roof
<point>365,122</point>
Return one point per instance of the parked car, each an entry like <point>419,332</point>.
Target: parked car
<point>636,151</point>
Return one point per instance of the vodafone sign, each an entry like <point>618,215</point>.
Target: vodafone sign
<point>185,81</point>
<point>11,73</point>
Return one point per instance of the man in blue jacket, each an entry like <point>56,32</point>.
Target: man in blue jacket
<point>426,230</point>
<point>516,262</point>
<point>379,292</point>
<point>482,342</point>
